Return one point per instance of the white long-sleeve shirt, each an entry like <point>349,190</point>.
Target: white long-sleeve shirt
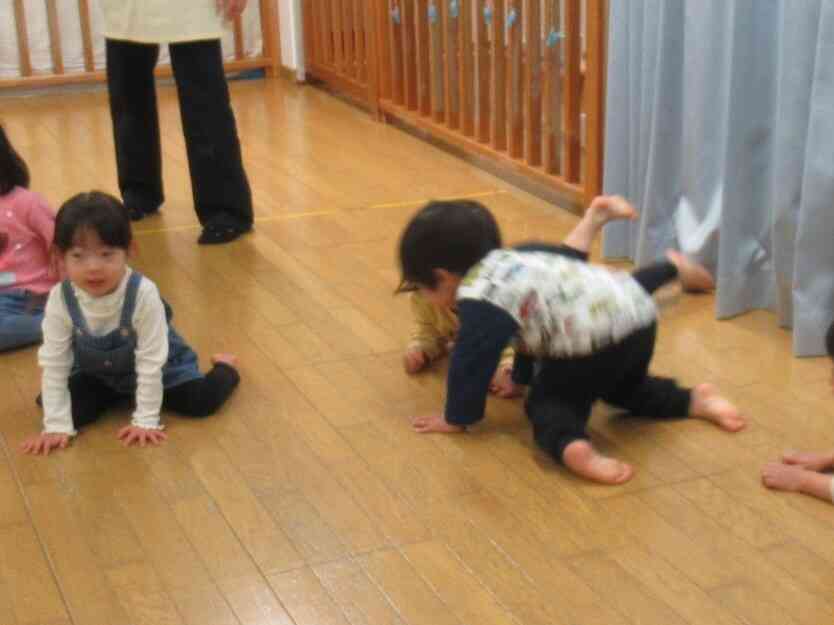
<point>162,21</point>
<point>102,315</point>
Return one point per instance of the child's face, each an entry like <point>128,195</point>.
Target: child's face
<point>445,289</point>
<point>93,266</point>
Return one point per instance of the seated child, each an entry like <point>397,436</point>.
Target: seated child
<point>107,337</point>
<point>803,472</point>
<point>26,274</point>
<point>590,332</point>
<point>435,327</point>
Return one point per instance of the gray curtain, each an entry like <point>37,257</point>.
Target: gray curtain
<point>720,128</point>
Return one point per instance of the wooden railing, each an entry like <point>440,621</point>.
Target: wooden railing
<point>269,59</point>
<point>518,81</point>
<point>341,47</point>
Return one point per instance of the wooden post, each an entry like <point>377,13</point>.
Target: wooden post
<point>552,89</point>
<point>595,97</point>
<point>409,54</point>
<point>571,94</point>
<point>240,52</point>
<point>86,35</point>
<point>533,86</point>
<point>54,37</point>
<point>467,69</point>
<point>423,44</point>
<point>451,65</point>
<point>483,73</point>
<point>515,112</point>
<point>498,132</point>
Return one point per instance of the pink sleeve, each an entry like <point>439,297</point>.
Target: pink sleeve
<point>42,219</point>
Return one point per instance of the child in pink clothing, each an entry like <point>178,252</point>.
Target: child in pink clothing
<point>26,273</point>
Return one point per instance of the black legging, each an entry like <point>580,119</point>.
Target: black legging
<point>196,398</point>
<point>564,389</point>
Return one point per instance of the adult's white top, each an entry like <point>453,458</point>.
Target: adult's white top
<point>162,21</point>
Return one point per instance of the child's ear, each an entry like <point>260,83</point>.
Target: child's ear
<point>132,249</point>
<point>442,276</point>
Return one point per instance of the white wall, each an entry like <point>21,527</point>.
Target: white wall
<point>292,47</point>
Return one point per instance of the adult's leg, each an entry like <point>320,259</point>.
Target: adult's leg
<point>222,197</point>
<point>133,109</point>
<point>203,396</point>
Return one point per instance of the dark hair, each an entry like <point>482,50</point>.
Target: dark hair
<point>829,341</point>
<point>13,170</point>
<point>453,235</point>
<point>94,211</point>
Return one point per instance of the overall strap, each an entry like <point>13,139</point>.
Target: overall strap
<point>129,304</point>
<point>73,308</point>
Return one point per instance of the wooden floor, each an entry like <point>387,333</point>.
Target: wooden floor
<point>308,500</point>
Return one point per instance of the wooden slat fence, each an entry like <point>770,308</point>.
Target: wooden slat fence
<point>518,81</point>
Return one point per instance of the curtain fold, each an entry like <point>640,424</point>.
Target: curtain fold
<point>720,128</point>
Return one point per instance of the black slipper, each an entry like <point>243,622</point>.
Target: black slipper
<point>221,232</point>
<point>137,214</point>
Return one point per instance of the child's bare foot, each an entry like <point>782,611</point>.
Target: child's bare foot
<point>783,476</point>
<point>226,359</point>
<point>694,277</point>
<point>811,460</point>
<point>707,404</point>
<point>581,458</point>
<point>605,208</point>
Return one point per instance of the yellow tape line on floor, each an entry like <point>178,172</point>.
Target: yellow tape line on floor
<point>469,196</point>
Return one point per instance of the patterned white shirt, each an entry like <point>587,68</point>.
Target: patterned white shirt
<point>564,307</point>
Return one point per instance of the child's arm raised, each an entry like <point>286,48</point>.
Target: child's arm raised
<point>485,330</point>
<point>151,355</point>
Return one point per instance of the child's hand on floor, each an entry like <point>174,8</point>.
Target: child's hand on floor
<point>132,434</point>
<point>415,360</point>
<point>502,384</point>
<point>434,423</point>
<point>782,476</point>
<point>43,443</point>
<point>813,461</point>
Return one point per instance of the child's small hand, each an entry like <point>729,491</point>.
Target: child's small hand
<point>44,443</point>
<point>415,360</point>
<point>132,434</point>
<point>434,423</point>
<point>502,384</point>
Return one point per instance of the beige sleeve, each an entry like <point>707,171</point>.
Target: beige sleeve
<point>425,334</point>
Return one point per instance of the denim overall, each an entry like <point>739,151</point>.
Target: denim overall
<point>111,357</point>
